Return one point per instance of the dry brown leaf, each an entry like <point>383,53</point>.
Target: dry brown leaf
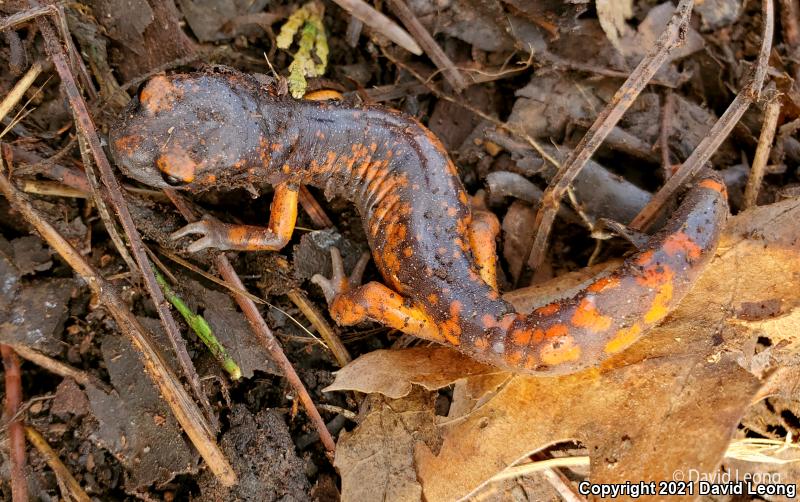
<point>392,373</point>
<point>679,388</point>
<point>376,459</point>
<point>669,403</point>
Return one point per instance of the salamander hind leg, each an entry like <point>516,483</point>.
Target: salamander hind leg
<point>351,304</point>
<point>283,215</point>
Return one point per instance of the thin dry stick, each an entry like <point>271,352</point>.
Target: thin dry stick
<point>71,488</point>
<point>186,411</point>
<point>332,340</point>
<point>364,12</point>
<point>313,209</point>
<point>673,34</point>
<point>762,152</point>
<point>718,132</point>
<point>102,208</point>
<point>429,45</point>
<point>16,93</point>
<point>16,431</point>
<point>261,330</point>
<point>87,129</point>
<point>53,188</point>
<point>25,16</point>
<point>497,122</point>
<point>81,377</point>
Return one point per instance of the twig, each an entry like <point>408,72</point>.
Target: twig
<point>460,102</point>
<point>768,128</point>
<point>25,16</point>
<point>81,377</point>
<point>53,188</point>
<point>332,340</point>
<point>429,45</point>
<point>102,208</point>
<point>22,85</point>
<point>313,209</point>
<point>261,330</point>
<point>354,27</point>
<point>364,12</point>
<point>673,34</point>
<point>86,127</point>
<point>719,131</point>
<point>71,489</point>
<point>186,411</point>
<point>16,431</point>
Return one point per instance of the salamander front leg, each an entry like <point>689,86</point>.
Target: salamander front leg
<point>282,218</point>
<point>351,304</point>
<point>482,234</point>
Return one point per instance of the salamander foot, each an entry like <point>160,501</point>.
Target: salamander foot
<point>339,283</point>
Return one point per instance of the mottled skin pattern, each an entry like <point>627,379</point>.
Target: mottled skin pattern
<point>223,129</point>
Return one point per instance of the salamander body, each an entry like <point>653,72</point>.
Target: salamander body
<point>223,129</point>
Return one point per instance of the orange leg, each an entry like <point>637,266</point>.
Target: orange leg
<point>482,234</point>
<point>283,215</point>
<point>351,304</point>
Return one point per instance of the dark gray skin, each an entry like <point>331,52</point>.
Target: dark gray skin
<point>222,129</point>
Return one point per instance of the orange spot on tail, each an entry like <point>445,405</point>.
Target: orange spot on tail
<point>623,338</point>
<point>587,316</point>
<point>601,285</point>
<point>714,185</point>
<point>680,242</point>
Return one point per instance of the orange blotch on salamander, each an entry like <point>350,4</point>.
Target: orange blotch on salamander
<point>681,242</point>
<point>408,252</point>
<point>560,351</point>
<point>452,211</point>
<point>127,145</point>
<point>603,284</point>
<point>504,323</point>
<point>654,276</point>
<point>514,358</point>
<point>587,316</point>
<point>276,147</point>
<point>660,306</point>
<point>481,343</point>
<point>433,299</point>
<point>178,164</point>
<point>450,329</point>
<point>714,185</point>
<point>521,336</point>
<point>547,310</point>
<point>159,95</point>
<point>645,258</point>
<point>623,338</point>
<point>555,331</point>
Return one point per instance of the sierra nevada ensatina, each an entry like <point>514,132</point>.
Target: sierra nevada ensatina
<point>222,129</point>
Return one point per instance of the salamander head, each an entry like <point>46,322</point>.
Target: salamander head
<point>187,131</point>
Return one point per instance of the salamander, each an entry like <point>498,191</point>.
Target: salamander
<point>220,129</point>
